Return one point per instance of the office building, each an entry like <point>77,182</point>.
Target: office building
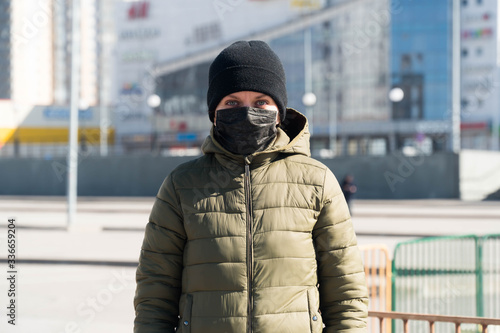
<point>5,46</point>
<point>480,74</point>
<point>346,69</point>
<point>35,44</point>
<point>422,66</point>
<point>350,54</point>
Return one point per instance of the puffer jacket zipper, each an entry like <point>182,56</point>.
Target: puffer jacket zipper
<point>249,234</point>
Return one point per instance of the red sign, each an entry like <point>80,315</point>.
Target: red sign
<point>138,10</point>
<point>474,126</point>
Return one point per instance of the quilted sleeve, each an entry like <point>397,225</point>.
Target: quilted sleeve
<point>159,272</point>
<point>342,285</point>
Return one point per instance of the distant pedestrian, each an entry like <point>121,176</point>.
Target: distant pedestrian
<point>348,188</point>
<point>255,235</point>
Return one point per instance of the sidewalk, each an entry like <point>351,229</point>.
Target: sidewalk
<point>83,279</point>
<point>109,229</point>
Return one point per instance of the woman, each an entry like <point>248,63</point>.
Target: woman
<point>254,236</point>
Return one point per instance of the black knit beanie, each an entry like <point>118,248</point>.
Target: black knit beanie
<point>247,66</point>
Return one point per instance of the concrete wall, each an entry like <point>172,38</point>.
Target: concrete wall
<point>479,174</point>
<point>386,177</point>
<point>400,177</point>
<point>115,176</point>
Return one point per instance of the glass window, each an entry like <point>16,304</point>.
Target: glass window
<point>421,59</point>
<point>5,65</point>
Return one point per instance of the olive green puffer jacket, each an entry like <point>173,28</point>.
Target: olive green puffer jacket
<point>257,244</point>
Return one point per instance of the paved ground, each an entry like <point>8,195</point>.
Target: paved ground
<point>81,279</point>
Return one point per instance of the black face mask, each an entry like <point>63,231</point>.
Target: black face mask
<point>245,130</point>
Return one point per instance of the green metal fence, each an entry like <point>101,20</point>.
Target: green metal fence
<point>457,275</point>
<point>490,265</point>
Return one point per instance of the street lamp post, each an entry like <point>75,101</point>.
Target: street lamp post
<point>153,101</point>
<point>73,126</point>
<point>396,95</point>
<point>309,98</point>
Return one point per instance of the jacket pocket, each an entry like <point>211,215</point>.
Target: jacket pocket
<point>314,315</point>
<point>185,322</point>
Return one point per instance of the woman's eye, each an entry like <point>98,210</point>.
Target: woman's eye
<point>231,103</point>
<point>262,102</point>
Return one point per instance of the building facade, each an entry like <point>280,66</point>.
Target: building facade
<point>35,44</point>
<point>145,67</point>
<point>349,54</point>
<point>165,48</point>
<point>5,63</point>
<point>480,74</point>
<point>345,68</point>
<point>421,65</point>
